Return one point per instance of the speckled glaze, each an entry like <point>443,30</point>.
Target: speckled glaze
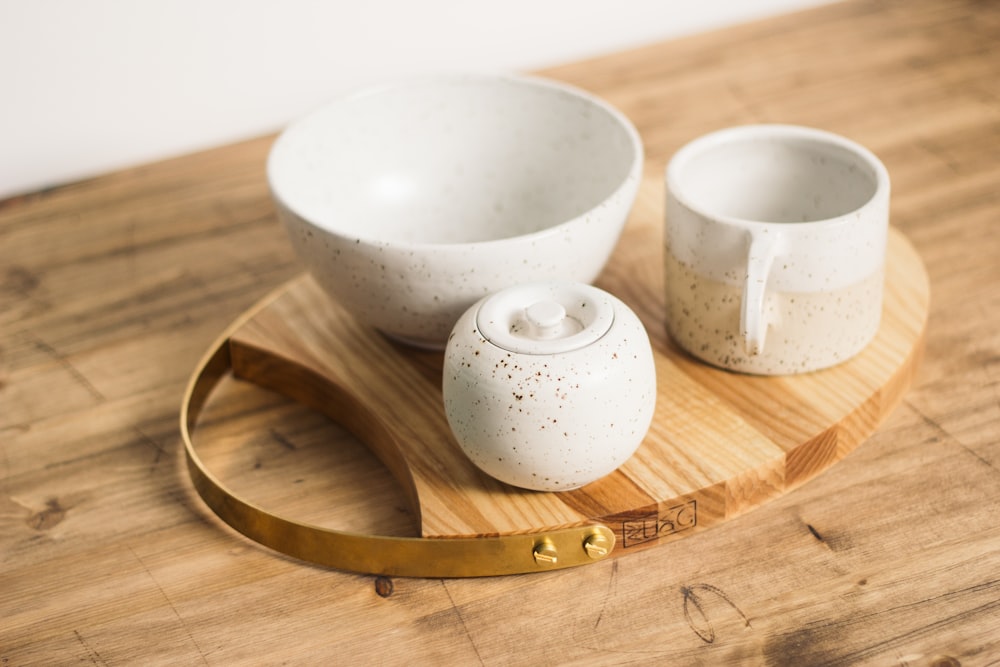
<point>775,248</point>
<point>409,202</point>
<point>549,386</point>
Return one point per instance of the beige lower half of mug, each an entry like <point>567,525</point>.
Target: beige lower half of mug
<point>806,331</point>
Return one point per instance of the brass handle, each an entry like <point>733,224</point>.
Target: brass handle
<point>375,554</point>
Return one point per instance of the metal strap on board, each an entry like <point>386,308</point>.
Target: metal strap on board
<point>374,554</point>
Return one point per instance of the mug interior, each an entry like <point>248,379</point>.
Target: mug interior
<point>455,160</point>
<point>776,177</point>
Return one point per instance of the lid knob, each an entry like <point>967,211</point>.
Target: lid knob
<point>547,320</point>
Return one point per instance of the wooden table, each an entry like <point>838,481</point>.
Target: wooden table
<point>111,289</point>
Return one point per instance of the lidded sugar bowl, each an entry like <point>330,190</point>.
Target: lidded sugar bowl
<point>549,386</point>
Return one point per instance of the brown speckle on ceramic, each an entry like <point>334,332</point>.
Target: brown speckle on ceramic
<point>807,331</point>
<point>775,241</point>
<point>556,413</point>
<point>411,201</point>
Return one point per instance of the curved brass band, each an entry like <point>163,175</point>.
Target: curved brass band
<point>373,554</point>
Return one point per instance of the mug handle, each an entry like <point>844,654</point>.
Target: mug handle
<point>753,324</point>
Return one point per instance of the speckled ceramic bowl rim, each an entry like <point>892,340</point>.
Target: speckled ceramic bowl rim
<point>712,140</point>
<point>634,172</point>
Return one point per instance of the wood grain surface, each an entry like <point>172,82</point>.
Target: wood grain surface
<point>111,289</point>
<point>721,443</point>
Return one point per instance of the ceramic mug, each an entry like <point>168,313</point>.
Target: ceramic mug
<point>775,241</point>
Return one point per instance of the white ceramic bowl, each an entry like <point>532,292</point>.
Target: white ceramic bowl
<point>549,386</point>
<point>409,202</point>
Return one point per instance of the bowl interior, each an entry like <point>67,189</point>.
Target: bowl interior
<point>457,160</point>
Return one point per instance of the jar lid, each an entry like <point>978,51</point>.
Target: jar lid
<point>546,318</point>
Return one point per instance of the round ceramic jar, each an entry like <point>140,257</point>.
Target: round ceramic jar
<point>549,386</point>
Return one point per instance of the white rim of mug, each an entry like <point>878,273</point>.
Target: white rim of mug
<point>775,130</point>
<point>634,173</point>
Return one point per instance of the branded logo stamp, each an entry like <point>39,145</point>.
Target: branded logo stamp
<point>656,525</point>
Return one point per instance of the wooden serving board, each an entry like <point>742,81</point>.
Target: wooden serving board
<point>720,444</point>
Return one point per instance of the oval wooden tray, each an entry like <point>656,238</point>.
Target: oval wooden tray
<point>721,443</point>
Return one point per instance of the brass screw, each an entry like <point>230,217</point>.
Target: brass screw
<point>545,553</point>
<point>597,546</point>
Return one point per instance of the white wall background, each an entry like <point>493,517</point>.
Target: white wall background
<point>89,86</point>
